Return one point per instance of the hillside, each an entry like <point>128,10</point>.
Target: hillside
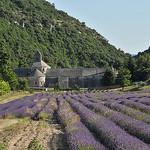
<point>28,25</point>
<point>144,52</point>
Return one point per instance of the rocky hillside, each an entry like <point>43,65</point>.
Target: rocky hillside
<point>28,25</point>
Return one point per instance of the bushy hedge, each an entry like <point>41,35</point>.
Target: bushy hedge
<point>4,87</point>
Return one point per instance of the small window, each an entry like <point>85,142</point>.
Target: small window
<point>35,83</point>
<point>37,58</point>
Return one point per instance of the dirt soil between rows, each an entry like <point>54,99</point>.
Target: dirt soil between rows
<point>20,134</point>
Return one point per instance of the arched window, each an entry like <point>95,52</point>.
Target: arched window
<point>37,58</point>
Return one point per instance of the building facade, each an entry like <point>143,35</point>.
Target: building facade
<point>39,74</point>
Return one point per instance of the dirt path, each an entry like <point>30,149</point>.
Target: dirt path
<point>6,122</point>
<point>49,134</point>
<point>13,97</point>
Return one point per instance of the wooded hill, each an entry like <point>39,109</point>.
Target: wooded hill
<point>28,25</point>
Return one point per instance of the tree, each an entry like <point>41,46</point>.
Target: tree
<point>57,87</point>
<point>108,78</point>
<point>143,74</point>
<point>11,77</point>
<point>4,87</point>
<point>23,84</point>
<point>123,77</point>
<point>131,65</point>
<point>6,73</point>
<point>4,56</point>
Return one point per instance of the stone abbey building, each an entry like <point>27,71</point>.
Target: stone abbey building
<point>39,74</point>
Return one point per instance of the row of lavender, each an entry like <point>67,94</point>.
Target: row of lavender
<point>31,106</point>
<point>42,106</point>
<point>133,126</point>
<point>78,135</point>
<point>91,119</point>
<point>108,131</point>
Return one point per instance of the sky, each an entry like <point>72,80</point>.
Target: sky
<point>125,23</point>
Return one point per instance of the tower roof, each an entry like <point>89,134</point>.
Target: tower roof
<point>40,64</point>
<point>36,73</point>
<point>37,52</point>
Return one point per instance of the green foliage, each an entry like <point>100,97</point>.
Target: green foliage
<point>4,145</point>
<point>44,116</point>
<point>4,56</point>
<point>142,83</point>
<point>57,87</point>
<point>31,91</point>
<point>28,25</point>
<point>123,77</point>
<point>143,61</point>
<point>34,145</point>
<point>109,78</point>
<point>86,147</point>
<point>6,73</point>
<point>132,66</point>
<point>11,77</point>
<point>4,87</point>
<point>142,72</point>
<point>23,84</point>
<point>75,87</point>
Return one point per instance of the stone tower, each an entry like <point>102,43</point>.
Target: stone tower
<point>37,57</point>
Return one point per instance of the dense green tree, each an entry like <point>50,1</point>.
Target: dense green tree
<point>11,77</point>
<point>123,77</point>
<point>4,87</point>
<point>142,72</point>
<point>132,66</point>
<point>28,25</point>
<point>4,56</point>
<point>108,78</point>
<point>143,61</point>
<point>23,84</point>
<point>6,73</point>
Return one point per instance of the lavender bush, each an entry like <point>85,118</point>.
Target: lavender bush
<point>109,133</point>
<point>78,136</point>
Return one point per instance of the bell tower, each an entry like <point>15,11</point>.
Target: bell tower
<point>37,57</point>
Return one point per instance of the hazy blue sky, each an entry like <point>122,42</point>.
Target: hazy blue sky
<point>125,23</point>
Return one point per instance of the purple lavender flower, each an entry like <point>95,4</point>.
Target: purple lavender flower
<point>109,133</point>
<point>136,105</point>
<point>129,111</point>
<point>78,136</point>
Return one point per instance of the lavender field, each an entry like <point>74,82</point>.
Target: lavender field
<point>92,120</point>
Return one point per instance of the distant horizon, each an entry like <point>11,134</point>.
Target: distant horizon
<point>125,24</point>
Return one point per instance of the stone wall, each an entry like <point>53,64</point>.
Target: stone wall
<point>75,72</point>
<point>51,82</point>
<point>67,77</point>
<point>36,81</point>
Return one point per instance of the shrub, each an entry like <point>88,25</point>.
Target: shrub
<point>142,83</point>
<point>109,78</point>
<point>34,145</point>
<point>31,91</point>
<point>44,116</point>
<point>4,87</point>
<point>75,87</point>
<point>57,87</point>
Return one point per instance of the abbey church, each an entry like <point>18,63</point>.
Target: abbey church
<point>39,74</point>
